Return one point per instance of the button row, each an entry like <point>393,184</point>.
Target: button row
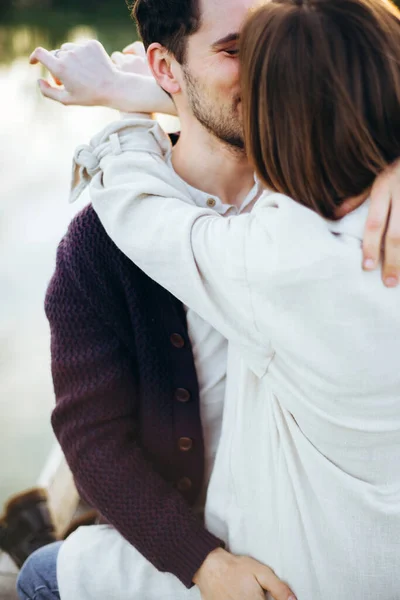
<point>182,395</point>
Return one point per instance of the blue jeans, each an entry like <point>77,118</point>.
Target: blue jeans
<point>38,577</point>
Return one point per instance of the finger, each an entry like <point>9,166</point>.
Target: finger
<point>129,49</point>
<point>349,205</point>
<point>33,59</point>
<point>46,58</point>
<point>376,222</point>
<point>117,57</point>
<point>69,46</point>
<point>272,584</point>
<point>135,48</point>
<point>391,263</point>
<point>130,63</point>
<point>52,93</point>
<point>123,60</point>
<point>57,81</point>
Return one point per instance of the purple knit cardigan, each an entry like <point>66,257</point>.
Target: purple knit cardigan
<point>126,398</point>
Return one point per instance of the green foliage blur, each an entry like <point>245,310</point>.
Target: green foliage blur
<point>14,8</point>
<point>25,24</point>
<point>8,7</point>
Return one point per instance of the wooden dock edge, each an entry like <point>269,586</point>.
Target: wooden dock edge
<point>63,500</point>
<point>63,497</point>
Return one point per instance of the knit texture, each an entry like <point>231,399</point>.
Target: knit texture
<point>117,418</point>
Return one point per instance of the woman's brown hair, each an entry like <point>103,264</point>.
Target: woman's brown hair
<point>321,96</point>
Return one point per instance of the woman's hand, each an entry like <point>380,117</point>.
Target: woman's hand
<point>382,231</point>
<point>132,59</point>
<point>86,71</point>
<point>383,226</point>
<point>91,78</point>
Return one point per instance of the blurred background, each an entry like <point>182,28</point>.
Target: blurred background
<point>37,140</point>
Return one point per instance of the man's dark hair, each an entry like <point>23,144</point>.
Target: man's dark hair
<point>168,22</point>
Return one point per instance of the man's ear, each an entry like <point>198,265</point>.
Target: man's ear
<point>163,67</point>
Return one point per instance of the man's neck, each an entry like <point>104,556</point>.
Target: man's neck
<point>210,165</point>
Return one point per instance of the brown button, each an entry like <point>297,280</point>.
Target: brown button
<point>184,484</point>
<point>211,202</point>
<point>182,395</point>
<point>185,444</point>
<point>177,340</point>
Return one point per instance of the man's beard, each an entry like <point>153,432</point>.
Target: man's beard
<point>225,127</point>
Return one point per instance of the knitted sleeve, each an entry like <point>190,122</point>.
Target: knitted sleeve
<point>95,387</point>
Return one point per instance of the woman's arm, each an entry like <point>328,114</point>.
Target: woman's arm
<point>237,273</point>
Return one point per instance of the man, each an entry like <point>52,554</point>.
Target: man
<point>128,415</point>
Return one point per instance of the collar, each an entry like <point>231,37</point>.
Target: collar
<point>204,200</point>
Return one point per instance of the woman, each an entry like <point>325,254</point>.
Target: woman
<point>306,477</point>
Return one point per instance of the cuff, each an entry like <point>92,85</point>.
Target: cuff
<point>191,554</point>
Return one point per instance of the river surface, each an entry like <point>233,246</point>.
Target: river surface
<point>37,140</point>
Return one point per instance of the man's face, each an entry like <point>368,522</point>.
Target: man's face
<point>211,70</point>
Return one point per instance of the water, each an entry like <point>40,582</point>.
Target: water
<point>37,139</point>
